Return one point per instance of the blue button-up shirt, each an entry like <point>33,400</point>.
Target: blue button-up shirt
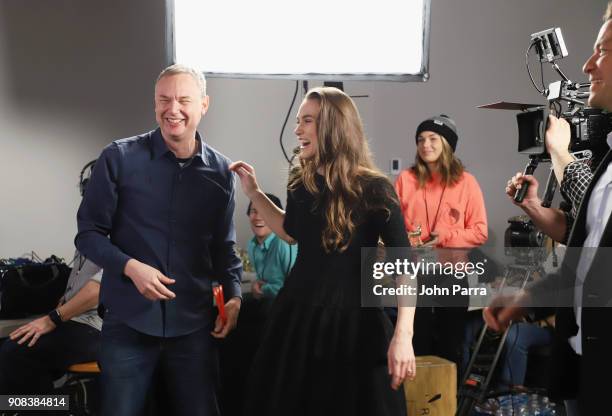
<point>140,203</point>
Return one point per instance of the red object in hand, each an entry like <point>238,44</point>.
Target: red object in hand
<point>219,299</point>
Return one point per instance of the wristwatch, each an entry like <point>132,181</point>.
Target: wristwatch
<point>55,317</point>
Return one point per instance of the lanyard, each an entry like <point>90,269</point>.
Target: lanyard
<point>432,227</point>
<point>261,275</point>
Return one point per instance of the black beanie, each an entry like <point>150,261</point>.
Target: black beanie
<point>272,198</point>
<point>443,125</point>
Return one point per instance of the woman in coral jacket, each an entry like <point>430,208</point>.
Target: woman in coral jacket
<point>444,204</point>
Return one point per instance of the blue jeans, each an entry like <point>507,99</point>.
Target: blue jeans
<point>187,366</point>
<point>521,337</point>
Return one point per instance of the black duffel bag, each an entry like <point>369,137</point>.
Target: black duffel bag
<point>31,289</point>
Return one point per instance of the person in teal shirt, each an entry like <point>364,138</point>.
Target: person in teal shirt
<point>271,257</point>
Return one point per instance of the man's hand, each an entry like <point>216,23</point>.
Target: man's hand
<point>516,182</point>
<point>33,331</point>
<point>149,281</point>
<point>232,309</point>
<point>503,310</point>
<point>257,288</point>
<point>557,136</point>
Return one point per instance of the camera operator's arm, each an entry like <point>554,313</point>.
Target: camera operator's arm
<point>574,176</point>
<point>557,143</point>
<point>551,221</point>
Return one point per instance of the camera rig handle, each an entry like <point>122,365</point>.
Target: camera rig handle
<point>551,187</point>
<point>534,160</point>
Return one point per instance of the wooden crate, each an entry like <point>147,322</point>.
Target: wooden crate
<point>434,390</point>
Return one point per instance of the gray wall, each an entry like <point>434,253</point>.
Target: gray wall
<point>74,76</point>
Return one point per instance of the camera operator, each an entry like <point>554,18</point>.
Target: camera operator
<point>583,341</point>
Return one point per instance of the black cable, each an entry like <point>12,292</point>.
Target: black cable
<point>297,83</point>
<point>542,78</point>
<point>556,106</point>
<point>531,45</point>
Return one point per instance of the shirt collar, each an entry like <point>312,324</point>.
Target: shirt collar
<point>266,243</point>
<point>160,148</point>
<point>609,140</point>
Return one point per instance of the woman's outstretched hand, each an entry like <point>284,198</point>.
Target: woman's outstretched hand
<point>246,173</point>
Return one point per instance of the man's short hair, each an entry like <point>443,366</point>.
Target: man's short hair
<point>177,69</point>
<point>608,15</point>
<point>272,198</point>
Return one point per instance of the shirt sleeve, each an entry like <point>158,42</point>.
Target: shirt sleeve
<point>226,262</point>
<point>97,277</point>
<point>285,258</point>
<point>475,230</point>
<point>96,213</point>
<point>399,190</point>
<point>577,176</point>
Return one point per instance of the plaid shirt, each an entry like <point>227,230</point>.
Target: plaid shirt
<point>577,176</point>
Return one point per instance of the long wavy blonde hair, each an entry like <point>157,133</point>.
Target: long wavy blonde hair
<point>450,167</point>
<point>343,156</point>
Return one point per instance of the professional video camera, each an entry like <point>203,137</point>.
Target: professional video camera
<point>524,242</point>
<point>589,126</point>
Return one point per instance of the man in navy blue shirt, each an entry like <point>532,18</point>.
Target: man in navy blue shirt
<point>158,217</point>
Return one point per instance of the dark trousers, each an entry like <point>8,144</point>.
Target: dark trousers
<point>31,370</point>
<point>237,352</point>
<point>439,331</point>
<point>186,365</point>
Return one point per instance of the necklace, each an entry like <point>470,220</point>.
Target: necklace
<point>431,228</point>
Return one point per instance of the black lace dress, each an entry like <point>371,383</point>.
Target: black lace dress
<point>322,353</point>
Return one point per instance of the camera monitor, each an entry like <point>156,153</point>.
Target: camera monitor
<point>550,44</point>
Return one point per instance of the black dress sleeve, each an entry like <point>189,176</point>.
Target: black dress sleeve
<point>393,232</point>
<point>290,222</point>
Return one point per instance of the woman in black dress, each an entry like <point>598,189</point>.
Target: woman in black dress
<point>322,353</point>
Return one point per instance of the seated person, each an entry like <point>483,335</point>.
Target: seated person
<point>522,336</point>
<point>42,350</point>
<point>272,259</point>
